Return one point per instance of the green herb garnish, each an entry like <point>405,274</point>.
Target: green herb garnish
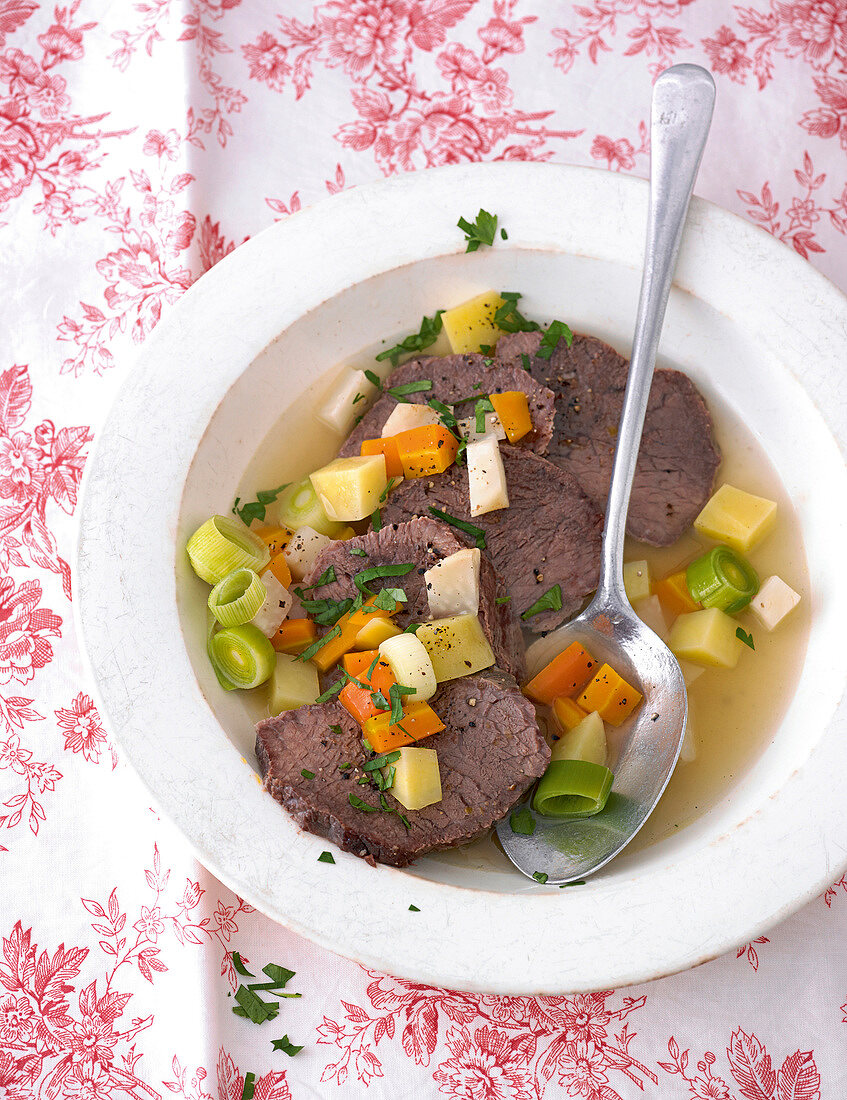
<point>556,331</point>
<point>363,579</point>
<point>319,644</point>
<point>370,669</point>
<point>746,638</point>
<point>525,360</point>
<point>412,628</point>
<point>504,235</point>
<point>508,317</point>
<point>285,1045</point>
<point>410,387</point>
<point>376,520</point>
<point>249,1088</point>
<point>379,700</point>
<point>358,551</point>
<point>359,397</point>
<point>325,612</point>
<point>253,1007</point>
<point>476,533</point>
<point>539,876</point>
<point>256,509</point>
<point>373,378</point>
<point>550,601</point>
<point>414,909</point>
<point>327,577</point>
<point>389,598</point>
<point>522,822</point>
<point>395,694</point>
<point>502,599</point>
<point>482,407</point>
<point>326,857</point>
<point>576,882</point>
<point>358,804</point>
<point>424,338</point>
<point>330,691</point>
<point>307,774</point>
<point>381,761</point>
<point>238,963</point>
<point>480,231</point>
<point>335,728</point>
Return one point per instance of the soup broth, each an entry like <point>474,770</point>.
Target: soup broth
<point>733,713</point>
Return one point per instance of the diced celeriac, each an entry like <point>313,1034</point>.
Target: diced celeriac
<point>351,394</point>
<point>274,610</point>
<point>706,637</point>
<point>303,550</point>
<point>636,580</point>
<point>472,324</point>
<point>486,476</point>
<point>410,665</point>
<point>739,519</point>
<point>417,780</point>
<point>467,427</point>
<point>775,599</point>
<point>457,646</point>
<point>406,416</point>
<point>350,488</point>
<point>452,585</point>
<point>587,741</point>
<point>292,684</point>
<point>650,612</point>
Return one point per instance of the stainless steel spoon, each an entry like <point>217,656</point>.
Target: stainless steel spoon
<point>644,750</point>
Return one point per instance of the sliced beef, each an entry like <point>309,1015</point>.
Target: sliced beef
<point>678,459</point>
<point>549,534</point>
<point>425,542</point>
<point>454,379</point>
<point>488,755</point>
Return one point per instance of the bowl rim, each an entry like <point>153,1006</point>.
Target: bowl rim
<point>495,945</point>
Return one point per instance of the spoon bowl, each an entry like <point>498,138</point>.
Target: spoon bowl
<point>644,750</point>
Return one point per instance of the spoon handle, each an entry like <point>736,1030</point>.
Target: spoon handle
<point>683,100</point>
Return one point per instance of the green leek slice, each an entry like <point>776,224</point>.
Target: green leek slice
<point>572,788</point>
<point>722,579</point>
<point>237,598</point>
<point>222,545</point>
<point>299,506</point>
<point>242,656</point>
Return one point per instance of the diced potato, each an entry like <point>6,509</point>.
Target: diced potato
<point>351,395</point>
<point>706,637</point>
<point>350,488</point>
<point>467,427</point>
<point>486,476</point>
<point>344,534</point>
<point>567,713</point>
<point>650,612</point>
<point>303,550</point>
<point>739,519</point>
<point>406,416</point>
<point>298,506</point>
<point>452,585</point>
<point>293,684</point>
<point>457,646</point>
<point>273,611</point>
<point>587,741</point>
<point>472,324</point>
<point>375,632</point>
<point>417,780</point>
<point>410,665</point>
<point>774,601</point>
<point>636,580</point>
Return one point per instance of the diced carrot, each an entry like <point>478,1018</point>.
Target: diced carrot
<point>567,713</point>
<point>427,450</point>
<point>350,624</point>
<point>674,595</point>
<point>419,720</point>
<point>611,695</point>
<point>280,569</point>
<point>512,410</point>
<point>388,449</point>
<point>275,538</point>
<point>294,635</point>
<point>357,700</point>
<point>565,675</point>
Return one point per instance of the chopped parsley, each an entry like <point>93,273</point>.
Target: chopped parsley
<point>482,407</point>
<point>412,628</point>
<point>424,338</point>
<point>358,551</point>
<point>325,612</point>
<point>251,1005</point>
<point>326,857</point>
<point>257,508</point>
<point>249,1089</point>
<point>410,387</point>
<point>445,413</point>
<point>307,774</point>
<point>370,670</point>
<point>363,579</point>
<point>480,231</point>
<point>374,379</point>
<point>476,533</point>
<point>359,397</point>
<point>330,691</point>
<point>504,235</point>
<point>522,822</point>
<point>744,637</point>
<point>381,761</point>
<point>395,695</point>
<point>319,644</point>
<point>238,963</point>
<point>502,599</point>
<point>556,331</point>
<point>576,882</point>
<point>379,700</point>
<point>284,1044</point>
<point>389,598</point>
<point>327,577</point>
<point>358,804</point>
<point>486,349</point>
<point>525,360</point>
<point>539,876</point>
<point>414,909</point>
<point>550,601</point>
<point>335,728</point>
<point>376,520</point>
<point>508,318</point>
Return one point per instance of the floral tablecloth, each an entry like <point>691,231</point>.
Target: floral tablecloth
<point>140,143</point>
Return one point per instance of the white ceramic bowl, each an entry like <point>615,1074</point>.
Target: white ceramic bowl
<point>748,319</point>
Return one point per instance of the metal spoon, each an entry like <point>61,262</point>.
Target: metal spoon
<point>646,748</point>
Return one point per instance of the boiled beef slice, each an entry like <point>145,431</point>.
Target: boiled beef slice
<point>678,458</point>
<point>454,379</point>
<point>549,534</point>
<point>489,754</point>
<point>423,542</point>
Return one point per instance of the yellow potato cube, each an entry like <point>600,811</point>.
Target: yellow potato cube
<point>292,684</point>
<point>457,646</point>
<point>707,638</point>
<point>739,519</point>
<point>636,580</point>
<point>587,741</point>
<point>349,488</point>
<point>471,324</point>
<point>375,632</point>
<point>417,780</point>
